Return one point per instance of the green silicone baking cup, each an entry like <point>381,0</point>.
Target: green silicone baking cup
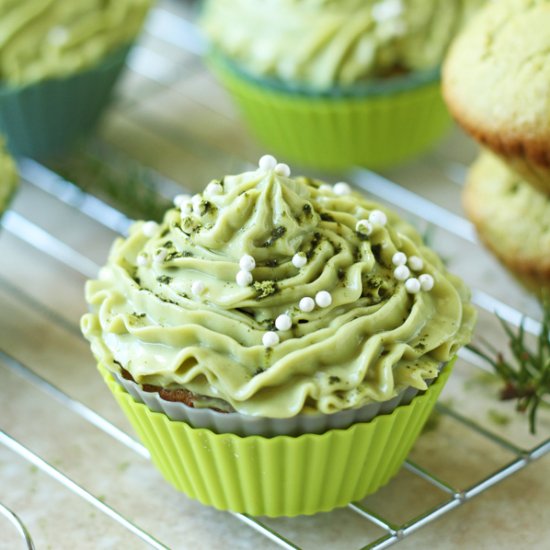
<point>373,130</point>
<point>49,117</point>
<point>282,475</point>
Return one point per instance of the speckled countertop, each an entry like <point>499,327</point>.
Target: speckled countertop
<point>41,301</point>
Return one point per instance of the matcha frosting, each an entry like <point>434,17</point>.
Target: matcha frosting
<point>323,43</point>
<point>51,38</point>
<point>8,178</point>
<point>168,307</point>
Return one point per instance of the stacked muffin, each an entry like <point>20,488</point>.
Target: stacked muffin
<point>274,339</point>
<point>496,81</point>
<point>59,60</point>
<point>336,83</point>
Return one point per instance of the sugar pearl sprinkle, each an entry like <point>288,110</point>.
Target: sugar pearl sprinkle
<point>243,278</point>
<point>267,162</point>
<point>416,263</point>
<point>401,273</point>
<point>364,227</point>
<point>282,170</point>
<point>341,188</point>
<point>270,339</point>
<point>197,288</point>
<point>412,285</point>
<point>306,304</point>
<point>377,217</point>
<point>247,263</point>
<point>299,260</point>
<point>283,322</point>
<point>426,282</point>
<point>149,228</point>
<point>399,259</point>
<point>323,298</point>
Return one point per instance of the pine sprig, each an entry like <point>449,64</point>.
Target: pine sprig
<point>527,378</point>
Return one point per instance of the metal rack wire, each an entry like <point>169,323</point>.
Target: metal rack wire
<point>37,176</point>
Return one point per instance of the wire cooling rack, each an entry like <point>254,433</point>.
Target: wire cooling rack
<point>36,235</point>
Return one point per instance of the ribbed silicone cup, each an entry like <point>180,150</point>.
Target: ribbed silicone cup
<point>282,475</point>
<point>47,118</point>
<point>375,131</point>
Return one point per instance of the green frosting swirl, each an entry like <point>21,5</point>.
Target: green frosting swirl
<point>51,38</point>
<point>323,43</point>
<point>8,178</point>
<point>371,342</point>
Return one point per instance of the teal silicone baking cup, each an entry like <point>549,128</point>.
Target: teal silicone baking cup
<point>49,117</point>
<point>375,126</point>
<point>281,475</point>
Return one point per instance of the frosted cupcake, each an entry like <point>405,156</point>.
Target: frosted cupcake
<point>59,61</point>
<point>335,83</point>
<point>276,313</point>
<point>8,178</point>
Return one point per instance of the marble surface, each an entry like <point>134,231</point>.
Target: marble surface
<point>172,117</point>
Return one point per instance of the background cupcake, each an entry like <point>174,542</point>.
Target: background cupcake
<point>497,84</point>
<point>337,83</point>
<point>8,178</point>
<point>286,300</point>
<point>512,219</point>
<point>59,61</point>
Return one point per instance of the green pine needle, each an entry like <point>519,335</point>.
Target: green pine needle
<point>527,378</point>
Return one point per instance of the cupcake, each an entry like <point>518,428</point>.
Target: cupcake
<point>8,178</point>
<point>496,81</point>
<point>276,342</point>
<point>336,83</point>
<point>59,61</point>
<point>512,219</point>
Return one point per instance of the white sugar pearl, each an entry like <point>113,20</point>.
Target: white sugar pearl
<point>267,162</point>
<point>399,259</point>
<point>416,263</point>
<point>325,188</point>
<point>401,272</point>
<point>306,304</point>
<point>149,228</point>
<point>426,282</point>
<point>181,200</point>
<point>282,170</point>
<point>412,285</point>
<point>197,288</point>
<point>283,322</point>
<point>270,339</point>
<point>247,263</point>
<point>214,188</point>
<point>377,217</point>
<point>299,260</point>
<point>160,255</point>
<point>364,227</point>
<point>142,260</point>
<point>342,188</point>
<point>323,298</point>
<point>244,278</point>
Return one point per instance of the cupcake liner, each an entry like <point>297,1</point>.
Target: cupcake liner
<point>268,427</point>
<point>373,130</point>
<point>47,118</point>
<point>283,475</point>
